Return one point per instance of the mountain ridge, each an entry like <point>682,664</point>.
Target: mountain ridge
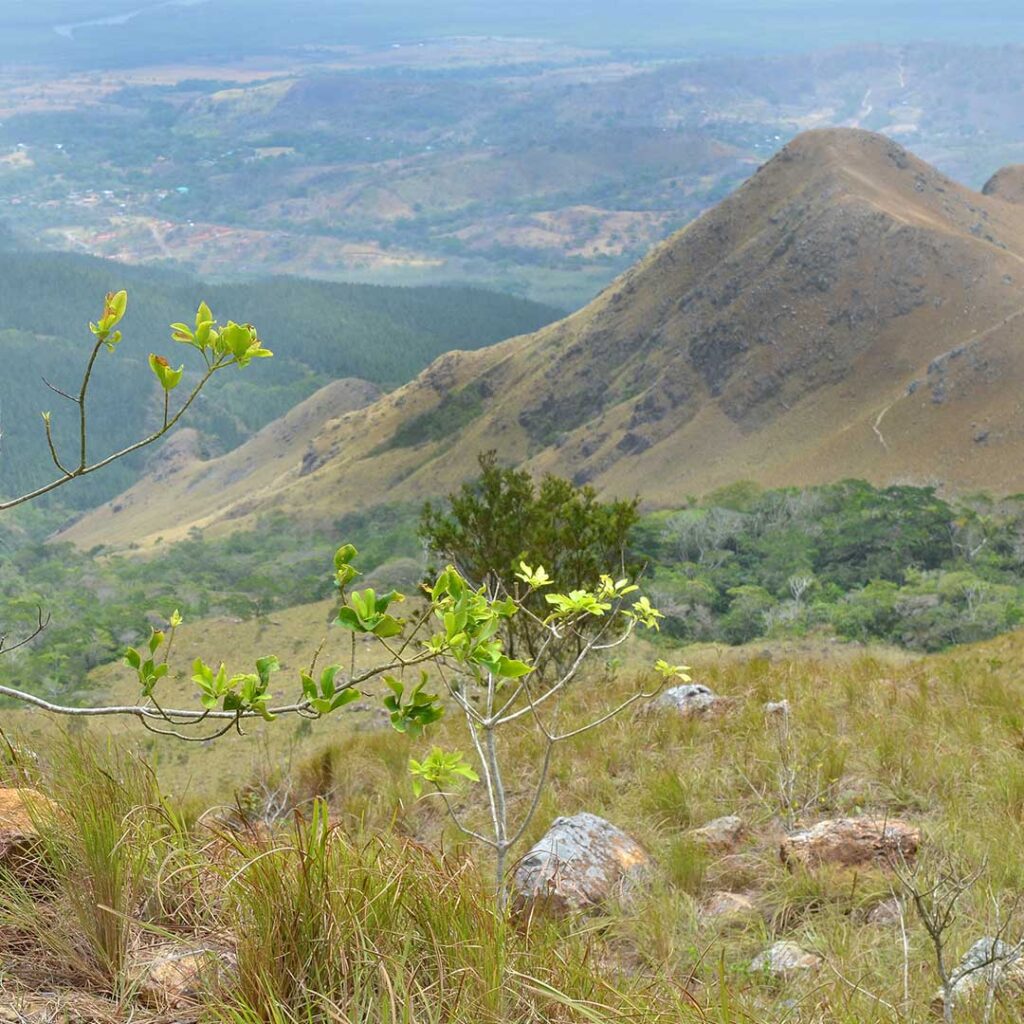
<point>848,311</point>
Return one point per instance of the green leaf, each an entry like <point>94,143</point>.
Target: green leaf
<point>345,697</point>
<point>265,666</point>
<point>168,377</point>
<point>203,314</point>
<point>308,686</point>
<point>387,626</point>
<point>510,669</point>
<point>441,769</point>
<point>327,680</point>
<point>344,555</point>
<point>348,618</point>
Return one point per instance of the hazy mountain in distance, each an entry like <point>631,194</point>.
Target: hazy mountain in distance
<point>849,311</point>
<point>119,32</point>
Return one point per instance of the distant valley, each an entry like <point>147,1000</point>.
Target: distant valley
<point>528,165</point>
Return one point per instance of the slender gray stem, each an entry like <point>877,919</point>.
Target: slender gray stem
<point>139,710</point>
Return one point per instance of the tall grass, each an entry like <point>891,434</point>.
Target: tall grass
<point>385,931</point>
<point>358,904</point>
<point>95,854</point>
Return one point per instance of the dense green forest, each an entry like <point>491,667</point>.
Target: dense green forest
<point>898,565</point>
<point>319,332</point>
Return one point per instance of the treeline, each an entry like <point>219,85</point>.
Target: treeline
<point>898,565</point>
<point>895,564</point>
<point>319,331</point>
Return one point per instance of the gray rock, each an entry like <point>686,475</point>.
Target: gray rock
<point>721,835</point>
<point>580,863</point>
<point>689,699</point>
<point>885,914</point>
<point>988,961</point>
<point>174,975</point>
<point>728,908</point>
<point>785,960</point>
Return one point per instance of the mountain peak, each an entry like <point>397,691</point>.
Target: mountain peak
<point>839,141</point>
<point>857,157</point>
<point>1007,184</point>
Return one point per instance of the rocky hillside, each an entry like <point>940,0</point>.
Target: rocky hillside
<point>848,312</point>
<point>239,478</point>
<point>1007,184</point>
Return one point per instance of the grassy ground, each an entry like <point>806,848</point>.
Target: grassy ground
<point>934,740</point>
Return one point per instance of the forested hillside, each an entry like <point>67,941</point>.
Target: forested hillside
<point>318,331</point>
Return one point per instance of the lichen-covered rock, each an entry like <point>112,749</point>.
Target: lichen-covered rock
<point>728,908</point>
<point>785,960</point>
<point>580,863</point>
<point>174,976</point>
<point>988,962</point>
<point>690,700</point>
<point>20,809</point>
<point>721,835</point>
<point>851,842</point>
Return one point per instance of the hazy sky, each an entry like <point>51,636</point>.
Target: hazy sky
<point>74,30</point>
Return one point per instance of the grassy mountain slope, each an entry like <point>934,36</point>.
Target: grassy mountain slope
<point>242,475</point>
<point>319,331</point>
<point>847,312</point>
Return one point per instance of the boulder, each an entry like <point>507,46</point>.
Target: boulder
<point>727,907</point>
<point>887,913</point>
<point>690,700</point>
<point>580,863</point>
<point>173,975</point>
<point>851,842</point>
<point>785,960</point>
<point>722,835</point>
<point>20,809</point>
<point>988,962</point>
<point>778,708</point>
